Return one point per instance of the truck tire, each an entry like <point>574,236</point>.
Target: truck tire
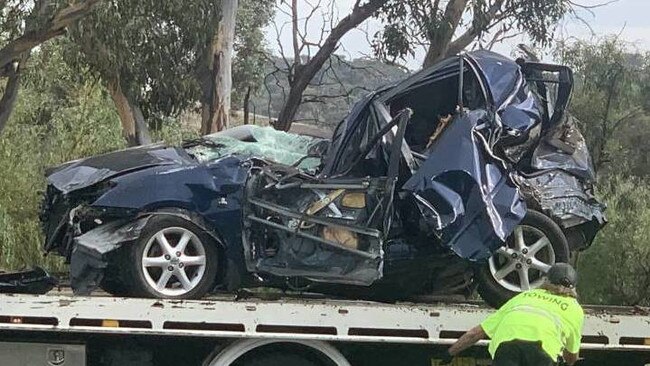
<point>536,244</point>
<point>277,358</point>
<point>258,351</point>
<point>172,259</point>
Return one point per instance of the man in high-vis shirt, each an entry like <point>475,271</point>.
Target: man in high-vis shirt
<point>534,328</point>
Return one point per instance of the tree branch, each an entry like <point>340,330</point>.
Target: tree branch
<point>12,69</point>
<point>294,31</point>
<point>303,75</point>
<point>52,28</point>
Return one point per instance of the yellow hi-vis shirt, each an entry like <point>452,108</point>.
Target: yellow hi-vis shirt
<point>537,315</point>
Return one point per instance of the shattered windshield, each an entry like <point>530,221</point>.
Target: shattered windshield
<point>257,141</point>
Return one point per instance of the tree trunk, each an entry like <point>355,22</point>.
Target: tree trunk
<point>215,114</point>
<point>442,44</point>
<point>303,74</point>
<point>247,101</point>
<point>134,128</point>
<point>141,129</point>
<point>442,38</point>
<point>291,105</point>
<point>11,92</point>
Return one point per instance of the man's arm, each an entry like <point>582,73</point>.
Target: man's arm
<point>572,347</point>
<point>467,340</point>
<point>569,358</point>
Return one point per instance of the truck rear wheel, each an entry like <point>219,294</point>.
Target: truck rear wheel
<point>277,358</point>
<point>521,264</point>
<point>266,352</point>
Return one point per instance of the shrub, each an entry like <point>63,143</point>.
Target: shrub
<point>616,269</point>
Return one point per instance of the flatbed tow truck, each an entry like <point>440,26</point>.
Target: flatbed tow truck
<point>63,330</point>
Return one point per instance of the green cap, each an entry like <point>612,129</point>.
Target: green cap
<point>563,274</point>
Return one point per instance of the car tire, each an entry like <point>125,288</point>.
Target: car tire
<point>173,273</point>
<point>523,260</point>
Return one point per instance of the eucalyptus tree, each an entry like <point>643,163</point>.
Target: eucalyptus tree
<point>445,28</point>
<point>250,54</point>
<point>441,27</point>
<point>222,78</point>
<point>23,26</point>
<point>610,99</point>
<point>154,56</point>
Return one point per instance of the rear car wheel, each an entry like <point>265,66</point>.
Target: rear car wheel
<point>173,258</point>
<point>521,264</point>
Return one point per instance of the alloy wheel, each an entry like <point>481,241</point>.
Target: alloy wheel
<point>523,262</point>
<point>174,261</point>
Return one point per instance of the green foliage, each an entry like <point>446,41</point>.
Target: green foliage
<point>248,66</point>
<point>158,48</point>
<point>152,46</point>
<point>408,24</point>
<point>17,15</point>
<point>610,100</point>
<point>59,116</point>
<point>616,269</point>
<point>12,19</point>
<point>172,132</point>
<point>62,114</point>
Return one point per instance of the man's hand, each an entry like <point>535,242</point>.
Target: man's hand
<point>570,358</point>
<point>446,359</point>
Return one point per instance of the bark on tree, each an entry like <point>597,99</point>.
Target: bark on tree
<point>215,113</point>
<point>11,92</point>
<point>141,129</point>
<point>440,41</point>
<point>247,101</point>
<point>304,73</point>
<point>134,128</point>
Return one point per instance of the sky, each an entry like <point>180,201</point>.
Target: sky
<point>629,18</point>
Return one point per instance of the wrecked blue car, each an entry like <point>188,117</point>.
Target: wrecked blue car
<point>466,175</point>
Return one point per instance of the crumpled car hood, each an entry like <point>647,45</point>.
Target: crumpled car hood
<point>246,141</point>
<point>86,172</point>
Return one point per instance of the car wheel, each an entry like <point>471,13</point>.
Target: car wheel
<point>173,258</point>
<point>521,264</point>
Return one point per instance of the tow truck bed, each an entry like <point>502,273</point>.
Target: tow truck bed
<point>76,319</point>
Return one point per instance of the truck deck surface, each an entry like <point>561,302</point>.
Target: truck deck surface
<point>222,316</point>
